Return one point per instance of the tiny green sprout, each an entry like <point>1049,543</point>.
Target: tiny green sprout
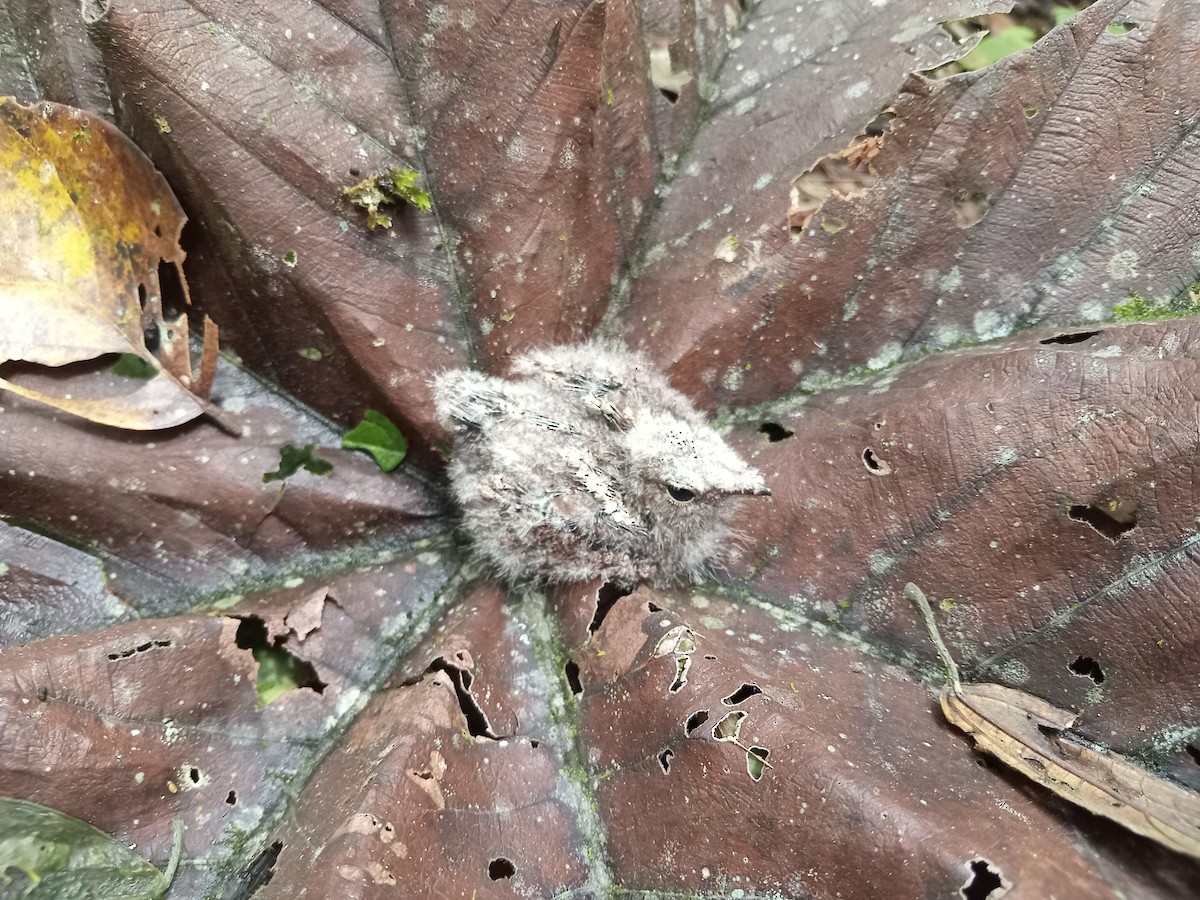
<point>293,459</point>
<point>404,187</point>
<point>396,185</point>
<point>377,435</point>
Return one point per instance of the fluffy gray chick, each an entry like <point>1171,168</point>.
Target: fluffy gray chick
<point>589,464</point>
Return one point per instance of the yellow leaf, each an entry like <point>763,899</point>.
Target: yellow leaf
<point>86,227</point>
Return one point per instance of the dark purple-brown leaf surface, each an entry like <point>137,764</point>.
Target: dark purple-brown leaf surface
<point>978,375</point>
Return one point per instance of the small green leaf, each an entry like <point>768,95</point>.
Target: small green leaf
<point>291,460</point>
<point>48,855</point>
<point>130,365</point>
<point>378,436</point>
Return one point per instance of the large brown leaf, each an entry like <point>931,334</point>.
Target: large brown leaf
<point>626,167</point>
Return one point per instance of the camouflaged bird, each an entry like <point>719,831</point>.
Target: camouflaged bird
<point>589,464</point>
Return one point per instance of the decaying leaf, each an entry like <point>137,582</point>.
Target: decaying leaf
<point>46,854</point>
<point>88,228</point>
<point>1026,733</point>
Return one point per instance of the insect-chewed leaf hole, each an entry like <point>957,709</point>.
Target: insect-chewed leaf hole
<point>606,597</point>
<point>970,207</point>
<point>1086,667</point>
<point>730,726</point>
<point>775,432</point>
<point>985,882</point>
<point>460,678</point>
<point>501,868</point>
<point>1194,752</point>
<point>695,720</point>
<point>664,759</point>
<point>231,798</point>
<point>742,694</point>
<point>874,464</point>
<point>193,775</point>
<point>279,670</point>
<point>1112,518</point>
<point>261,870</point>
<point>571,670</point>
<point>140,648</point>
<point>683,662</point>
<point>170,288</point>
<point>756,761</point>
<point>1073,337</point>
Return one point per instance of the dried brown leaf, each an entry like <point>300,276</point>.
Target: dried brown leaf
<point>1024,732</point>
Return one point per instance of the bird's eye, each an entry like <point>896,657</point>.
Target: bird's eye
<point>683,495</point>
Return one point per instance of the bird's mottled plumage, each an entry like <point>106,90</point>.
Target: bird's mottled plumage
<point>589,464</point>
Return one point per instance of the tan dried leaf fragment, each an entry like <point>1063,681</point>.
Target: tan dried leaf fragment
<point>1026,733</point>
<point>86,227</point>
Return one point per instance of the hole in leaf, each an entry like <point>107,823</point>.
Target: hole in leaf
<point>840,176</point>
<point>194,775</point>
<point>984,883</point>
<point>742,694</point>
<point>663,74</point>
<point>683,662</point>
<point>279,670</point>
<point>695,720</point>
<point>653,607</point>
<point>477,721</point>
<point>1119,28</point>
<point>1074,337</point>
<point>1086,667</point>
<point>158,231</point>
<point>142,296</point>
<point>140,648</point>
<point>664,759</point>
<point>260,871</point>
<point>293,459</point>
<point>170,289</point>
<point>729,727</point>
<point>756,761</point>
<point>534,744</point>
<point>1030,112</point>
<point>572,672</point>
<point>1194,752</point>
<point>1112,519</point>
<point>151,338</point>
<point>231,798</point>
<point>775,432</point>
<point>606,597</point>
<point>874,464</point>
<point>501,868</point>
<point>970,207</point>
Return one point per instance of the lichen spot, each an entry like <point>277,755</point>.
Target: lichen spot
<point>858,89</point>
<point>1123,265</point>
